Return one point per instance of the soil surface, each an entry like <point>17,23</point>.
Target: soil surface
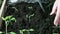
<point>41,22</point>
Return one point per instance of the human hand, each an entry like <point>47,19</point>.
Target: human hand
<point>56,10</point>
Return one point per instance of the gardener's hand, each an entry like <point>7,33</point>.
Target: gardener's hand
<point>56,10</point>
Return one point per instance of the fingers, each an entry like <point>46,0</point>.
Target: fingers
<point>54,9</point>
<point>57,18</point>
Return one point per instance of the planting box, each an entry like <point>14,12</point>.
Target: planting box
<point>2,9</point>
<point>28,16</point>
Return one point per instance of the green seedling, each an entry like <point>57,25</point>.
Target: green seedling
<point>29,16</point>
<point>30,30</point>
<point>15,8</point>
<point>7,20</point>
<point>12,33</point>
<point>22,31</point>
<point>25,30</point>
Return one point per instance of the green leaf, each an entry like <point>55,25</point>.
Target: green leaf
<point>12,33</point>
<point>1,32</point>
<point>32,15</point>
<point>21,32</point>
<point>13,19</point>
<point>8,17</point>
<point>31,30</point>
<point>3,18</point>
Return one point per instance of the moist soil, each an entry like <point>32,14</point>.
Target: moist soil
<point>41,22</point>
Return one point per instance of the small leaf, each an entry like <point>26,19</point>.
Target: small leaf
<point>31,29</point>
<point>12,33</point>
<point>21,32</point>
<point>3,18</point>
<point>32,15</point>
<point>1,32</point>
<point>8,17</point>
<point>13,19</point>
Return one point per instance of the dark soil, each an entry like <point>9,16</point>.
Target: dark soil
<point>41,22</point>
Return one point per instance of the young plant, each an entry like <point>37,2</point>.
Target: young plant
<point>25,30</point>
<point>15,8</point>
<point>22,31</point>
<point>7,20</point>
<point>30,30</point>
<point>29,17</point>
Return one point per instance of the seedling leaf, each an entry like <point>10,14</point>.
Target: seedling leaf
<point>13,19</point>
<point>3,18</point>
<point>8,17</point>
<point>32,15</point>
<point>31,30</point>
<point>1,32</point>
<point>12,33</point>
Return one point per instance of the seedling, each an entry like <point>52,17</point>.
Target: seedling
<point>25,30</point>
<point>7,20</point>
<point>15,8</point>
<point>29,17</point>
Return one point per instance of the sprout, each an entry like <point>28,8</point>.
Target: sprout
<point>7,20</point>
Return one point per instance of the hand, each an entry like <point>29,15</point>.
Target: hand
<point>56,10</point>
